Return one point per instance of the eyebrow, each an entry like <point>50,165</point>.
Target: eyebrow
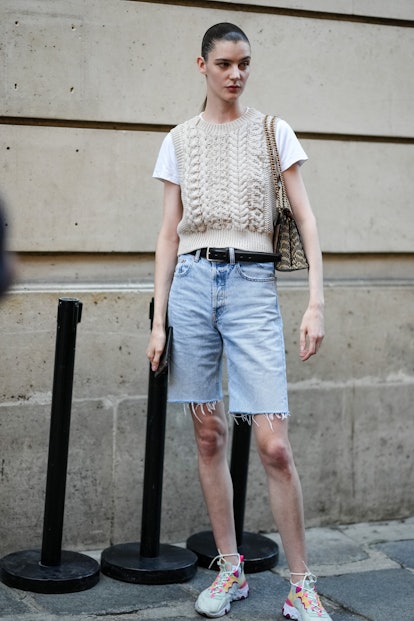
<point>229,60</point>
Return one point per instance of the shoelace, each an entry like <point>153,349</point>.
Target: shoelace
<point>220,558</point>
<point>225,571</point>
<point>308,586</point>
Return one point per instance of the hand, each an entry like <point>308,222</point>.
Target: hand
<point>156,347</point>
<point>312,332</point>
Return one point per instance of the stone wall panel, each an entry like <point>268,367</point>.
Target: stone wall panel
<point>92,191</point>
<point>327,76</point>
<point>110,345</point>
<point>24,442</point>
<point>81,190</point>
<point>399,9</point>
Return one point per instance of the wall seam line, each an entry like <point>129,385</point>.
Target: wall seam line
<point>288,12</point>
<point>165,128</point>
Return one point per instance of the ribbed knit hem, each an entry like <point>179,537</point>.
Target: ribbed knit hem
<point>241,240</point>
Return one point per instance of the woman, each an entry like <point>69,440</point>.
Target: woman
<point>221,296</point>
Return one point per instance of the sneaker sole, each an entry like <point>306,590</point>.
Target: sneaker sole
<point>242,593</point>
<point>289,612</point>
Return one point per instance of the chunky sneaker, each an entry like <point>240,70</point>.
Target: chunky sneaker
<point>229,586</point>
<point>303,603</point>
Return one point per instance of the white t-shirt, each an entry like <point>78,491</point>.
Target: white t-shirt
<point>289,147</point>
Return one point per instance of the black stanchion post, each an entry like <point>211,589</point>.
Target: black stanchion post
<point>149,561</point>
<point>69,315</point>
<point>51,570</point>
<point>260,552</point>
<point>239,469</point>
<point>153,467</point>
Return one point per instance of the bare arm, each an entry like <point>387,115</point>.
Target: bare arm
<point>312,327</point>
<point>165,261</point>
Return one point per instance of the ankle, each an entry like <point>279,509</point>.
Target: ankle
<point>297,577</point>
<point>234,559</point>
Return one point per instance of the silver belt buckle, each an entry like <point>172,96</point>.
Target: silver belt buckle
<point>209,258</point>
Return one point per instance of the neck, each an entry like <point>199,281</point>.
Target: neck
<point>223,113</point>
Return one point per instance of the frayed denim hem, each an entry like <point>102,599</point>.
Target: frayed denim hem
<point>206,408</point>
<point>209,407</point>
<point>251,418</point>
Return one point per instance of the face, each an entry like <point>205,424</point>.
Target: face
<point>226,69</point>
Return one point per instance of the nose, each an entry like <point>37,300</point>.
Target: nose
<point>235,72</point>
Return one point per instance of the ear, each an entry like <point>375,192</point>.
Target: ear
<point>201,64</point>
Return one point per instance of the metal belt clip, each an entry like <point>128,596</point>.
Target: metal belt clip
<point>215,252</point>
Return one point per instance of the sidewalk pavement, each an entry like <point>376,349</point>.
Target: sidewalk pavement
<point>365,572</point>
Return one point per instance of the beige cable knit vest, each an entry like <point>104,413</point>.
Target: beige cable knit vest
<point>226,184</point>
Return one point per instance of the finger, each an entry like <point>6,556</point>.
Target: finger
<point>305,355</point>
<point>153,358</point>
<point>309,348</point>
<point>154,362</point>
<point>312,345</point>
<point>302,341</point>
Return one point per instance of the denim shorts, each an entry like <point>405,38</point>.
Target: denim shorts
<point>231,309</point>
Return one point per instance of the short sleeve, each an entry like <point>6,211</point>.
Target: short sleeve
<point>166,167</point>
<point>290,150</point>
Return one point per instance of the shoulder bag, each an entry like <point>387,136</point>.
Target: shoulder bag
<point>286,239</point>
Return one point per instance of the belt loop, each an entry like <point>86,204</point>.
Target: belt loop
<point>197,255</point>
<point>232,258</point>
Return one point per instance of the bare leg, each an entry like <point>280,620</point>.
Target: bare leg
<point>284,489</point>
<point>211,434</point>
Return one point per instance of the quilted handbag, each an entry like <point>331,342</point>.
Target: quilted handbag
<point>286,239</point>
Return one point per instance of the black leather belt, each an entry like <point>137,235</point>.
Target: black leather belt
<point>222,255</point>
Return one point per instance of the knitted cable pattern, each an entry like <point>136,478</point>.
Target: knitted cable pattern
<point>225,177</point>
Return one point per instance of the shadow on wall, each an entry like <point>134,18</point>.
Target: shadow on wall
<point>6,270</point>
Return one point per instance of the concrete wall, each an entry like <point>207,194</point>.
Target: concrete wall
<point>87,92</point>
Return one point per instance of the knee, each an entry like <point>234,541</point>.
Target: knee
<point>276,455</point>
<point>211,440</point>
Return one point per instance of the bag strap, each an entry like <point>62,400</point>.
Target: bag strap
<point>270,141</point>
<point>279,182</point>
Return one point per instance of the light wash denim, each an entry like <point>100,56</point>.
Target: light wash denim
<point>231,308</point>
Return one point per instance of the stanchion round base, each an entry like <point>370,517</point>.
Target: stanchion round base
<point>124,562</point>
<point>23,570</point>
<point>260,553</point>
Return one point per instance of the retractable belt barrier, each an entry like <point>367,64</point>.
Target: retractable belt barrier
<point>149,561</point>
<point>51,569</point>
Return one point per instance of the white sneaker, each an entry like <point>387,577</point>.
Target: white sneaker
<point>303,603</point>
<point>230,585</point>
